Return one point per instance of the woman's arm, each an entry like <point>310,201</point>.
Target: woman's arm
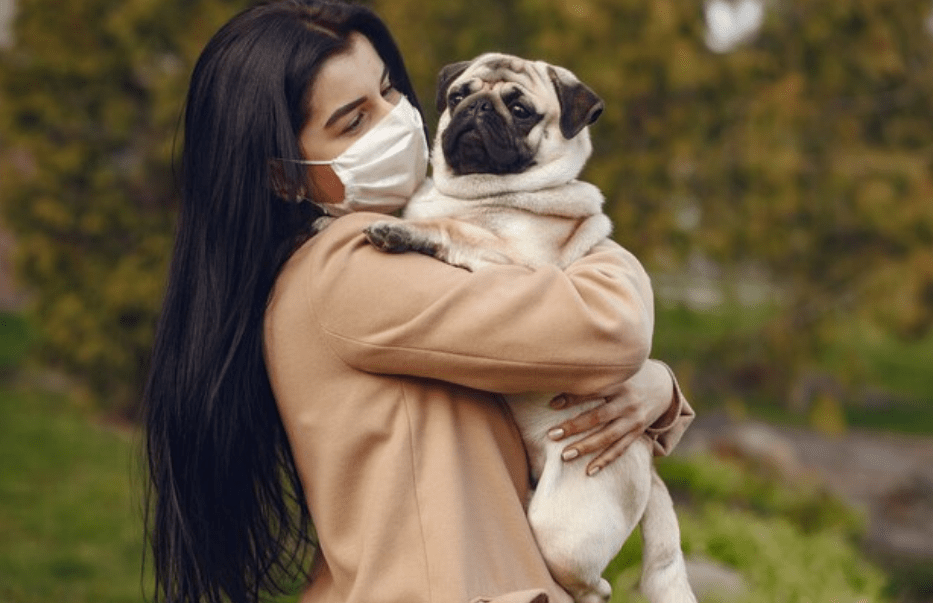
<point>507,329</point>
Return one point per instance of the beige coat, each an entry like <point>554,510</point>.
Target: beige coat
<point>380,364</point>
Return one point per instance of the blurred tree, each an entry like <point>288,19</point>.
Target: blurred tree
<point>90,98</point>
<point>434,34</point>
<point>806,152</point>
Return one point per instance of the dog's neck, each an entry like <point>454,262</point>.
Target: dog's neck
<point>575,199</point>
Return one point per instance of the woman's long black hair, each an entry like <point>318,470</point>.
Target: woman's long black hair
<point>226,518</point>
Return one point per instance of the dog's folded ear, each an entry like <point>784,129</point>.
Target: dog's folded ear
<point>447,75</point>
<point>579,105</point>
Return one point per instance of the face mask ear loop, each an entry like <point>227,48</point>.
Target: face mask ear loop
<point>286,190</point>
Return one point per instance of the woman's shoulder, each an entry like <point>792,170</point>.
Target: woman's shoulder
<point>342,231</point>
<point>343,236</point>
<point>324,252</point>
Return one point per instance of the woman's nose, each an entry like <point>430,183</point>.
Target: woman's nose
<point>386,104</point>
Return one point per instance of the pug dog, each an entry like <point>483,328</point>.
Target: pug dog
<point>511,140</point>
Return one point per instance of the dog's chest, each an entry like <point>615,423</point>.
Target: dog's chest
<point>538,236</point>
<point>533,235</point>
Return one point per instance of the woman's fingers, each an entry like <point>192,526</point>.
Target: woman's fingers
<point>614,451</point>
<point>626,414</point>
<point>610,442</point>
<point>611,426</point>
<point>585,421</point>
<point>614,425</point>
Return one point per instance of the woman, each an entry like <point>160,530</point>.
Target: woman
<point>298,378</point>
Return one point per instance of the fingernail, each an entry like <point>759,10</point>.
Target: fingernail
<point>593,470</point>
<point>558,402</point>
<point>556,433</point>
<point>570,454</point>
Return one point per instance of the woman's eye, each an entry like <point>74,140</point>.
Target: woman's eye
<point>354,124</point>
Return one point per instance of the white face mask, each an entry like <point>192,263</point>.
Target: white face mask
<point>383,168</point>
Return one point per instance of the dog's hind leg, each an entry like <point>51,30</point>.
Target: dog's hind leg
<point>581,521</point>
<point>664,574</point>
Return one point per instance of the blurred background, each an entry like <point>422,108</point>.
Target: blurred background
<point>770,161</point>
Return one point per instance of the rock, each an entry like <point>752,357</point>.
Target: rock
<point>760,445</point>
<point>902,519</point>
<point>714,580</point>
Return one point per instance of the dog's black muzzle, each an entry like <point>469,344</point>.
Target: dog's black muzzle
<point>480,140</point>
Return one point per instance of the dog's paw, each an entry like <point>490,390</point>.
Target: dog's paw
<point>389,237</point>
<point>397,237</point>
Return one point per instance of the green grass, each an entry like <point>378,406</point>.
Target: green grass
<point>70,525</point>
<point>14,340</point>
<point>904,367</point>
<point>70,518</point>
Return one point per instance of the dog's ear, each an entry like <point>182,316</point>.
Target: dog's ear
<point>579,106</point>
<point>448,74</point>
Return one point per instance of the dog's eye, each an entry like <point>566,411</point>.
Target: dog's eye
<point>519,111</point>
<point>454,99</point>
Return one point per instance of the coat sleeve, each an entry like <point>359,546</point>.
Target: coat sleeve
<point>670,427</point>
<point>507,329</point>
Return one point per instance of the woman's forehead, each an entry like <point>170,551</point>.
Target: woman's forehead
<point>346,76</point>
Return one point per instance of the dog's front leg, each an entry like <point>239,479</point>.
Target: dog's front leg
<point>399,237</point>
<point>454,242</point>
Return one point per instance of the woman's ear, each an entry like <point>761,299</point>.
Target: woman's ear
<point>284,187</point>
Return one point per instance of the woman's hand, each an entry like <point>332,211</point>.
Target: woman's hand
<point>618,422</point>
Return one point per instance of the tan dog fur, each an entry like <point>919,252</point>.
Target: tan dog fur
<point>529,208</point>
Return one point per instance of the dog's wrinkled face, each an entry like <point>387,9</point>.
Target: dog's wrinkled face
<point>501,114</point>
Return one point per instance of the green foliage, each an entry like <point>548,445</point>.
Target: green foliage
<point>707,480</point>
<point>14,341</point>
<point>882,381</point>
<point>805,153</point>
<point>787,544</point>
<point>780,564</point>
<point>89,102</point>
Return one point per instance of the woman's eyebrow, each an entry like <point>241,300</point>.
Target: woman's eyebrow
<point>341,111</point>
